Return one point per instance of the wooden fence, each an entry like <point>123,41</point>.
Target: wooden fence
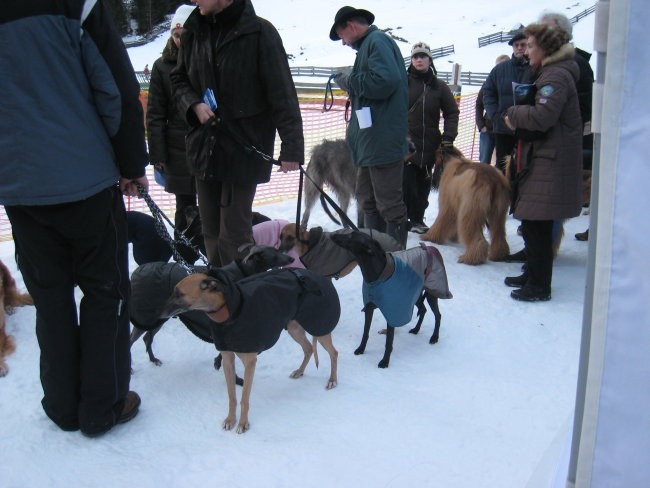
<point>506,36</point>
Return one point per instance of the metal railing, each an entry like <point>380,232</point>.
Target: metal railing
<point>506,36</point>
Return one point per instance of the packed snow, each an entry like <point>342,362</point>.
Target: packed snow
<point>489,406</point>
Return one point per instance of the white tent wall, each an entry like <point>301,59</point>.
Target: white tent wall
<point>612,436</point>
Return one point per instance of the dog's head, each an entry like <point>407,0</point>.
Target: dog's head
<point>366,250</point>
<point>196,292</point>
<point>289,238</point>
<point>256,258</point>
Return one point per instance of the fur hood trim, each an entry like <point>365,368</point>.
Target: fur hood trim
<point>567,51</point>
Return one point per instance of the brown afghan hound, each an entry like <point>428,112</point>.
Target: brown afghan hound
<point>9,298</point>
<point>471,195</point>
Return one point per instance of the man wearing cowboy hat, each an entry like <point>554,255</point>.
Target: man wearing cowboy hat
<point>378,90</point>
<point>497,95</point>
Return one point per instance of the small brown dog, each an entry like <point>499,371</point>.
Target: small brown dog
<point>249,316</point>
<point>471,195</point>
<point>10,298</point>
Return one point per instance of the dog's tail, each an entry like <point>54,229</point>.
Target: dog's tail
<point>314,345</point>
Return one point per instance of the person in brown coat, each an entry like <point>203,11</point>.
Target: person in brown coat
<point>549,155</point>
<point>428,97</point>
<point>228,49</point>
<point>166,126</point>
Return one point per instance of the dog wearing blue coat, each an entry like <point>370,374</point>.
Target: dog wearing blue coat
<point>396,282</point>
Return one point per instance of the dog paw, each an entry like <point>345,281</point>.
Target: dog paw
<point>382,331</point>
<point>414,330</point>
<point>243,427</point>
<point>4,370</point>
<point>331,384</point>
<point>433,340</point>
<point>296,374</point>
<point>360,350</point>
<point>383,364</point>
<point>229,423</point>
<point>157,362</point>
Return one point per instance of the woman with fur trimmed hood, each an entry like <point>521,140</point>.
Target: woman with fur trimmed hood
<point>166,127</point>
<point>549,155</point>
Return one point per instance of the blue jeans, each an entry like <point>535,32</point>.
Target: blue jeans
<point>485,147</point>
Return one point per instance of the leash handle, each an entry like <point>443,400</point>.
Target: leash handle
<point>158,216</point>
<point>330,92</point>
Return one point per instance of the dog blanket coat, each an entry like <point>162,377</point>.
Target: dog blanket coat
<point>416,269</point>
<point>328,259</point>
<point>262,305</point>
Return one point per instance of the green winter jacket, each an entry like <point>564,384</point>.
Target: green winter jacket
<point>378,80</point>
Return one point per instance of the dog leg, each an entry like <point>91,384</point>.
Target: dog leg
<point>499,248</point>
<point>297,333</point>
<point>250,360</point>
<point>148,340</point>
<point>470,232</point>
<point>368,310</point>
<point>390,334</point>
<point>228,358</point>
<point>328,345</point>
<point>443,227</point>
<point>433,305</point>
<point>422,310</point>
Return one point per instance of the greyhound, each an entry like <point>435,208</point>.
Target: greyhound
<point>152,283</point>
<point>249,316</point>
<point>395,282</point>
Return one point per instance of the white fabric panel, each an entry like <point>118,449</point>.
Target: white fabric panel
<point>615,440</point>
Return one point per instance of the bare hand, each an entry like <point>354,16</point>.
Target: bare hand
<point>508,123</point>
<point>130,187</point>
<point>288,166</point>
<point>203,112</point>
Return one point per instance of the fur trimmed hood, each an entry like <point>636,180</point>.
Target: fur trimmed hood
<point>567,51</point>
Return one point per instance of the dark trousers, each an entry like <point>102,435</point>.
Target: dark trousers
<point>504,144</point>
<point>380,190</point>
<point>416,188</point>
<point>226,215</point>
<point>85,362</point>
<point>183,202</point>
<point>538,240</point>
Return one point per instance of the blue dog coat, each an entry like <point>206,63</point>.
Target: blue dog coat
<point>396,295</point>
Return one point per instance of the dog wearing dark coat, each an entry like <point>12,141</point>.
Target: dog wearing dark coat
<point>10,298</point>
<point>249,316</point>
<point>319,253</point>
<point>152,283</point>
<point>471,195</point>
<point>395,282</point>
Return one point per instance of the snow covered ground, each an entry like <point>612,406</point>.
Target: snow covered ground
<point>489,406</point>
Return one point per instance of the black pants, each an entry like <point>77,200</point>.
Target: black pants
<point>416,188</point>
<point>380,189</point>
<point>504,144</point>
<point>538,240</point>
<point>85,361</point>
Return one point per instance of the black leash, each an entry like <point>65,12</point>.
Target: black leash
<point>330,92</point>
<point>344,217</point>
<point>159,216</point>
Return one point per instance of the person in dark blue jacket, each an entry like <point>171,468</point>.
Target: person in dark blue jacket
<point>497,95</point>
<point>72,144</point>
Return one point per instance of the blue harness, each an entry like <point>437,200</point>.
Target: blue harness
<point>396,295</point>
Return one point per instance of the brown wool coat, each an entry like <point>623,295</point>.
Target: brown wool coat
<point>550,186</point>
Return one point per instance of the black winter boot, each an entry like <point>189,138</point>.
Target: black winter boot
<point>516,281</point>
<point>398,231</point>
<point>374,222</point>
<point>532,293</point>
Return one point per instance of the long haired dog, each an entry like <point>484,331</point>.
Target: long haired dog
<point>395,282</point>
<point>331,165</point>
<point>471,195</point>
<point>249,316</point>
<point>10,298</point>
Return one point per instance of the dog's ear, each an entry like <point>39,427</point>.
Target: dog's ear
<point>211,284</point>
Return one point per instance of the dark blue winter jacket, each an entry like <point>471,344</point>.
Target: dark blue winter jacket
<point>497,91</point>
<point>70,118</point>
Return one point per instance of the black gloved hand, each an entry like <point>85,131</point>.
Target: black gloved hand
<point>446,145</point>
